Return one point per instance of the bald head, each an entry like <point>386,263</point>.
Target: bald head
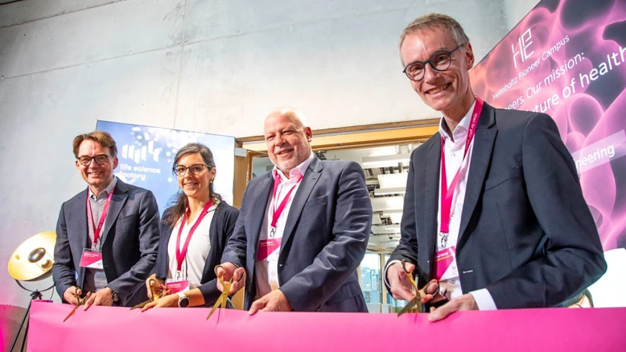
<point>287,138</point>
<point>294,115</point>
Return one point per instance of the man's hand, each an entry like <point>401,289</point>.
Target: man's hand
<point>274,301</point>
<point>103,297</point>
<point>166,301</point>
<point>70,295</point>
<point>227,271</point>
<point>465,302</point>
<point>399,283</point>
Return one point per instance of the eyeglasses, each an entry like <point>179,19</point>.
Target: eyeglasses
<point>195,169</point>
<point>439,60</point>
<point>100,159</point>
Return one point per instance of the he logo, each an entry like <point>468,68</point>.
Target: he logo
<point>523,43</point>
<point>140,154</point>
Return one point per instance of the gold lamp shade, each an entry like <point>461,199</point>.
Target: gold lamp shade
<point>34,257</point>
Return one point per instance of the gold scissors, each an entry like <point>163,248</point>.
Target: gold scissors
<point>79,302</point>
<point>155,296</point>
<point>417,300</point>
<point>222,301</point>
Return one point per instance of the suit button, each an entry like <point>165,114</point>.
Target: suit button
<point>281,265</point>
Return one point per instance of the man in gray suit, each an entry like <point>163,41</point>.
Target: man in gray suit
<point>303,228</point>
<point>493,210</point>
<point>107,235</point>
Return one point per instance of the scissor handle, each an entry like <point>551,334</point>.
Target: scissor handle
<point>222,281</point>
<point>156,296</point>
<point>409,274</point>
<point>79,300</point>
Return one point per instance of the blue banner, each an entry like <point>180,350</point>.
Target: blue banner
<point>146,155</point>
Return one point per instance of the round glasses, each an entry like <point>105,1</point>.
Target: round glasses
<point>100,159</point>
<point>439,60</point>
<point>195,169</point>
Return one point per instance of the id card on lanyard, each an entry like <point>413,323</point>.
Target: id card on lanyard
<point>271,244</point>
<point>446,256</point>
<point>92,257</point>
<point>180,281</point>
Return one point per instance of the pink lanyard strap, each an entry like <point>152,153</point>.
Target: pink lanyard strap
<point>276,213</point>
<point>180,254</point>
<point>97,230</point>
<point>448,192</point>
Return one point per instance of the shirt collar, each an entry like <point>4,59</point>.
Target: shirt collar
<point>299,170</point>
<point>104,192</point>
<point>464,124</point>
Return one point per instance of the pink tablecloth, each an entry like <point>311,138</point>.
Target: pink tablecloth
<point>111,329</point>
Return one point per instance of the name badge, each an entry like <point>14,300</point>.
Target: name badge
<point>91,259</point>
<point>267,247</point>
<point>446,264</point>
<point>177,286</point>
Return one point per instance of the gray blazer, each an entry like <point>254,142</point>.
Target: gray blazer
<point>130,242</point>
<point>324,241</point>
<point>526,233</point>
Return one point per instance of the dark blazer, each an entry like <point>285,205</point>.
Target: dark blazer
<point>129,242</point>
<point>526,232</point>
<point>221,228</point>
<point>324,241</point>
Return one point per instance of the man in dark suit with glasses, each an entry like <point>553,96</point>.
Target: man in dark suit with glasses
<point>493,211</point>
<point>107,235</point>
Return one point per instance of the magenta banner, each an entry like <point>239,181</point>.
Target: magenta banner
<point>568,59</point>
<point>106,329</point>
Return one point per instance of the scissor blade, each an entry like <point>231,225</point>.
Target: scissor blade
<point>217,303</point>
<point>141,305</point>
<point>71,313</point>
<point>412,303</point>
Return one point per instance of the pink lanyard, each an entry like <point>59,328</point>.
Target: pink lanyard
<point>180,254</point>
<point>281,207</point>
<point>97,230</point>
<point>448,192</point>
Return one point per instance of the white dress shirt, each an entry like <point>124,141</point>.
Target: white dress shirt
<point>267,270</point>
<point>197,252</point>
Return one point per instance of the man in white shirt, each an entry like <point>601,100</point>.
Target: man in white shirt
<point>303,228</point>
<point>497,218</point>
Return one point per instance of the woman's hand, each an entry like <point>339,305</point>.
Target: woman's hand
<point>167,301</point>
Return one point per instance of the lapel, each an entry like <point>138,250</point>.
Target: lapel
<point>481,158</point>
<point>219,247</point>
<point>120,194</point>
<point>80,207</point>
<point>299,200</point>
<point>259,206</point>
<point>431,195</point>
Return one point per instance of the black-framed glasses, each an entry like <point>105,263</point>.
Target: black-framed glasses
<point>100,159</point>
<point>195,169</point>
<point>439,60</point>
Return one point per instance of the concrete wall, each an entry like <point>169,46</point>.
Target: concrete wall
<point>515,10</point>
<point>205,65</point>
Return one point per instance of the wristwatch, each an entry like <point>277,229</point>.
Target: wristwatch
<point>114,295</point>
<point>183,300</point>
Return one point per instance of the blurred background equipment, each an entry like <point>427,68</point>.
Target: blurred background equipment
<point>32,261</point>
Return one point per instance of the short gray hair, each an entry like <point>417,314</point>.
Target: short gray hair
<point>436,20</point>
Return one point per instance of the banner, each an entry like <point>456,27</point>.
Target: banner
<point>109,329</point>
<point>146,155</point>
<point>568,59</point>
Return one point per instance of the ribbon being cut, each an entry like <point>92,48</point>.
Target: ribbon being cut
<point>555,329</point>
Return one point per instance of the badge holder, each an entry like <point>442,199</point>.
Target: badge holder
<point>178,284</point>
<point>91,259</point>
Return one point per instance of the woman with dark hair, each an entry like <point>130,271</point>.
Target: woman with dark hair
<point>194,232</point>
